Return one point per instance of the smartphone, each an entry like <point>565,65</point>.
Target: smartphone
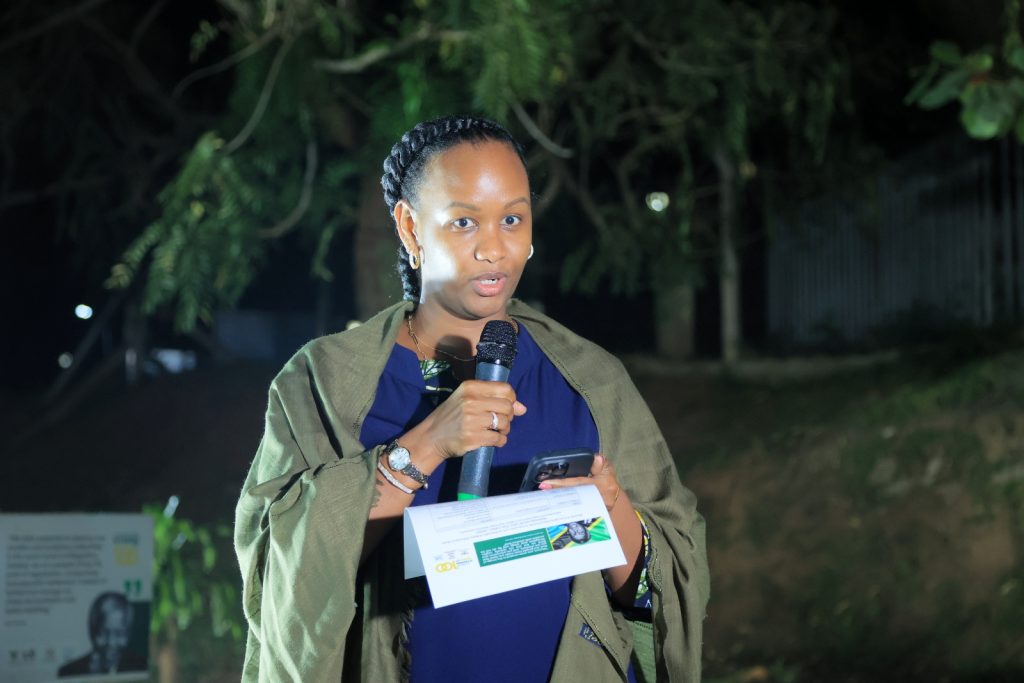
<point>563,464</point>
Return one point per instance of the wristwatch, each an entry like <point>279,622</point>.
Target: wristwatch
<point>400,460</point>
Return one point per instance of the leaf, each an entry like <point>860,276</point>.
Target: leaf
<point>945,52</point>
<point>1016,58</point>
<point>979,62</point>
<point>923,83</point>
<point>947,89</point>
<point>980,124</point>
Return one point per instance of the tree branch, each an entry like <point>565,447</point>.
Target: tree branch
<point>137,70</point>
<point>144,24</point>
<point>537,134</point>
<point>548,195</point>
<point>224,64</point>
<point>288,223</point>
<point>54,21</point>
<point>261,103</point>
<point>583,196</point>
<point>19,198</point>
<point>373,55</point>
<point>659,54</point>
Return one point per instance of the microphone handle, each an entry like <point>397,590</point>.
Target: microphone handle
<point>476,464</point>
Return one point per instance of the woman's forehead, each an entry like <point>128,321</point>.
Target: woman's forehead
<point>489,167</point>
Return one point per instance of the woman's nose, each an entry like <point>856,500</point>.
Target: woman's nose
<point>490,247</point>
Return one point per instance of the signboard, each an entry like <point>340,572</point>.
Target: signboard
<point>76,597</point>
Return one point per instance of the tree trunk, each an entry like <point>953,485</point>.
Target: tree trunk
<point>167,659</point>
<point>729,265</point>
<point>324,308</point>
<point>134,340</point>
<point>376,248</point>
<point>674,320</point>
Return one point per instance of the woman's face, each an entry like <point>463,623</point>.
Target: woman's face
<point>472,220</point>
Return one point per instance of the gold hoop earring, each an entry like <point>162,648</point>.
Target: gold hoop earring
<point>414,261</point>
<point>531,253</point>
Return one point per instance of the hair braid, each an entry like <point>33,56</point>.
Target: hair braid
<point>403,168</point>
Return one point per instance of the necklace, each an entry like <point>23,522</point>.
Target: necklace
<point>416,341</point>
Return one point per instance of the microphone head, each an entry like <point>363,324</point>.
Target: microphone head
<point>497,343</point>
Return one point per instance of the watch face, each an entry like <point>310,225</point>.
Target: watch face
<point>399,458</point>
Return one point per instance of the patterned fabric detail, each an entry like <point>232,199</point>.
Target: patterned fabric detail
<point>439,378</point>
<point>587,634</point>
<point>643,589</point>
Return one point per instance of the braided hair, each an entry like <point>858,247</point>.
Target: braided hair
<point>403,169</point>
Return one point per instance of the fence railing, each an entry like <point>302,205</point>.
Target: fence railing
<point>940,243</point>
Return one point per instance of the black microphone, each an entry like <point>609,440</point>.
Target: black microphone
<point>494,356</point>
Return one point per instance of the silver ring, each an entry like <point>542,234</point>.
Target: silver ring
<point>494,421</point>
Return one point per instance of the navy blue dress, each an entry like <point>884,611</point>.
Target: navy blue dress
<point>511,636</point>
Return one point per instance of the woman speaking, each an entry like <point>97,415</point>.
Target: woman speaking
<point>364,423</point>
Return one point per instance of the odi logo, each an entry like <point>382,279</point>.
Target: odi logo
<point>442,567</point>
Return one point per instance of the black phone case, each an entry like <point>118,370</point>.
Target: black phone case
<point>561,464</point>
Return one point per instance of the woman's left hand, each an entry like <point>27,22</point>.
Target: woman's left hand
<point>602,475</point>
<point>622,579</point>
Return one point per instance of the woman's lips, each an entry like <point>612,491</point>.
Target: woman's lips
<point>489,284</point>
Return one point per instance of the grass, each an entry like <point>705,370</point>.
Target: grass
<point>881,511</point>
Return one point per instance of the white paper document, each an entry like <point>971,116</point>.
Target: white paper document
<point>473,548</point>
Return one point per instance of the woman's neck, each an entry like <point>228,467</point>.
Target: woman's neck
<point>445,331</point>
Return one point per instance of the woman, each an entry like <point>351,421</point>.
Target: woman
<point>364,423</point>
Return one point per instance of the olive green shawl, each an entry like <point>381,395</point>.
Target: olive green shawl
<point>315,615</point>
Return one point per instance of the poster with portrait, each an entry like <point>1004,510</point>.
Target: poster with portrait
<point>76,597</point>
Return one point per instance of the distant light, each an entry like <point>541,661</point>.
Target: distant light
<point>657,201</point>
<point>65,360</point>
<point>82,311</point>
<point>175,360</point>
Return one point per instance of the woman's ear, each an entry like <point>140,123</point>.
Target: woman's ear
<point>405,224</point>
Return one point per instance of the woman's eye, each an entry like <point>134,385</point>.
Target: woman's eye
<point>511,220</point>
<point>462,223</point>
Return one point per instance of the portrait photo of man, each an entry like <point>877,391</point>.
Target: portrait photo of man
<point>111,617</point>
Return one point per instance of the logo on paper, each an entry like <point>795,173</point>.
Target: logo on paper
<point>451,560</point>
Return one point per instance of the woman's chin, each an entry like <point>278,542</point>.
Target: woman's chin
<point>479,307</point>
<point>469,305</point>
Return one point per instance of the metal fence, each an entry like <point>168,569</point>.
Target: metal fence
<point>940,243</point>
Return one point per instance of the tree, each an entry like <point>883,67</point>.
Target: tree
<point>318,92</point>
<point>665,96</point>
<point>627,108</point>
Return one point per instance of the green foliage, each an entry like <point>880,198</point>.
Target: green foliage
<point>204,248</point>
<point>232,197</point>
<point>246,181</point>
<point>668,88</point>
<point>987,82</point>
<point>191,579</point>
<point>643,95</point>
<point>201,39</point>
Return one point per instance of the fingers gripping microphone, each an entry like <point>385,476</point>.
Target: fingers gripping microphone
<point>494,356</point>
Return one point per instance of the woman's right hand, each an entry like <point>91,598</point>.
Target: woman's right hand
<point>463,421</point>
